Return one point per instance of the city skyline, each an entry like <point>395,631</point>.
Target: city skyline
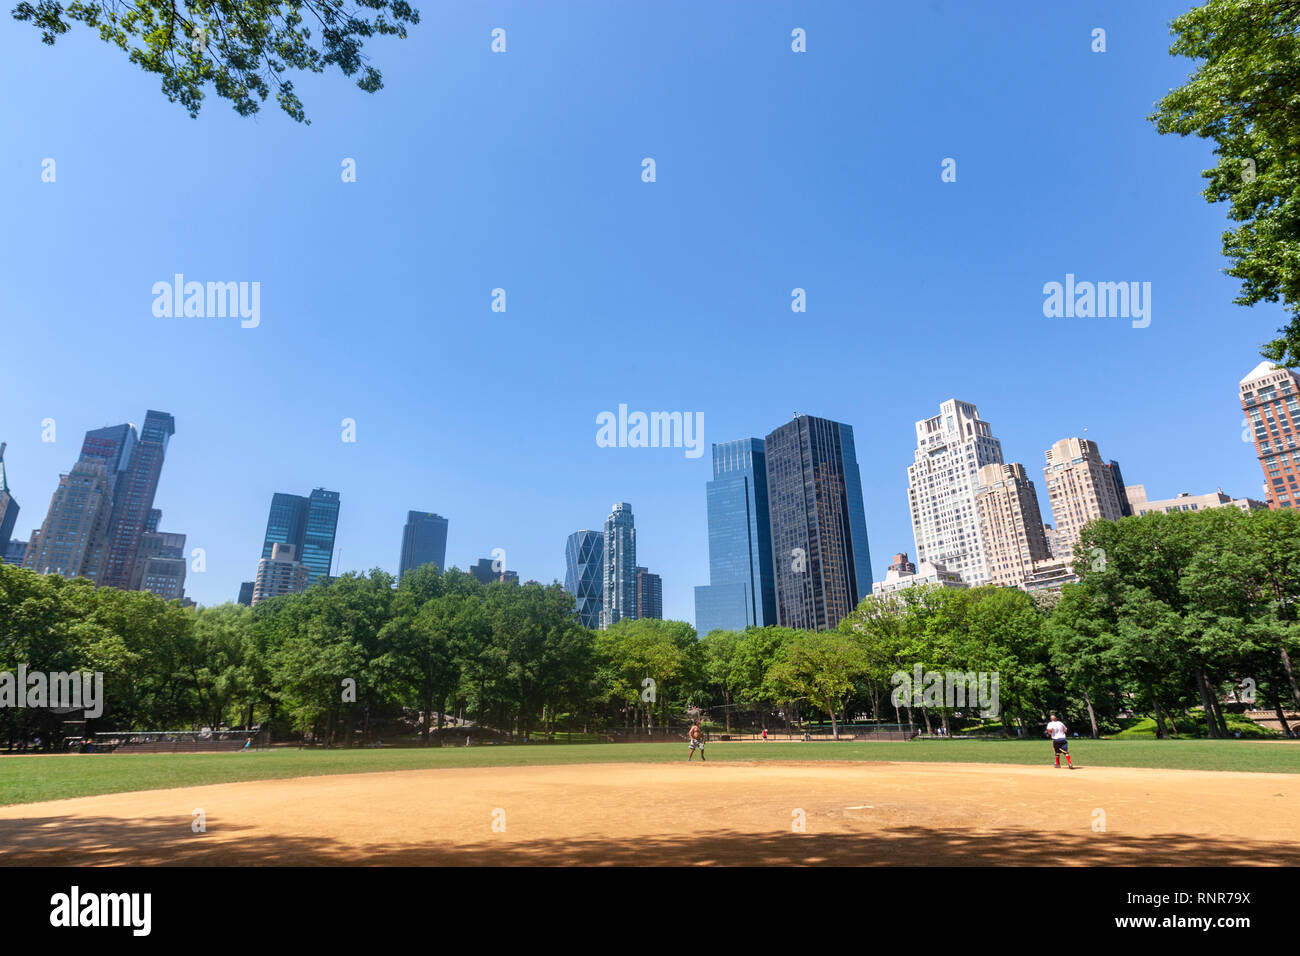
<point>688,287</point>
<point>112,449</point>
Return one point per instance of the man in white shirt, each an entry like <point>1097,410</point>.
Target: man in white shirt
<point>1060,743</point>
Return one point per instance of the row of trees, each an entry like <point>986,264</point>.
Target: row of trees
<point>1171,611</point>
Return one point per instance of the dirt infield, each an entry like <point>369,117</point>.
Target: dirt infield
<point>654,814</point>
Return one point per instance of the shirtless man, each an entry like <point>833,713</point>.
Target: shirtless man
<point>696,737</point>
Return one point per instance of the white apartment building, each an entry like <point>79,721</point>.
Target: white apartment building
<point>942,482</point>
<point>1137,496</point>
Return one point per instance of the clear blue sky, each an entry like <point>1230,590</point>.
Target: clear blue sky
<point>523,171</point>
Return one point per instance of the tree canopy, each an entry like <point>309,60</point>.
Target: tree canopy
<point>244,50</point>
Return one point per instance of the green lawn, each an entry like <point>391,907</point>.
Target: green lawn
<point>29,779</point>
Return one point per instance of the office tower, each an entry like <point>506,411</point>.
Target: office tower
<point>73,537</point>
<point>133,497</point>
<point>309,525</point>
<point>649,596</point>
<point>618,591</point>
<point>485,571</point>
<point>1272,406</point>
<point>584,574</point>
<point>246,593</point>
<point>15,551</point>
<point>152,520</point>
<point>281,573</point>
<point>160,565</point>
<point>1011,524</point>
<point>318,535</point>
<point>820,556</point>
<point>285,522</point>
<point>1125,508</point>
<point>942,482</point>
<point>8,506</point>
<point>424,541</point>
<point>1081,488</point>
<point>1137,496</point>
<point>741,591</point>
<point>901,564</point>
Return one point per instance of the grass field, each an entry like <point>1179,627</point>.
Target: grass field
<point>28,779</point>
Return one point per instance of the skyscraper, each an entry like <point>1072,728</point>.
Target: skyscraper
<point>424,541</point>
<point>246,593</point>
<point>487,570</point>
<point>1081,488</point>
<point>8,506</point>
<point>160,565</point>
<point>1011,524</point>
<point>649,596</point>
<point>133,497</point>
<point>820,557</point>
<point>741,591</point>
<point>584,574</point>
<point>71,541</point>
<point>309,525</point>
<point>1270,397</point>
<point>618,592</point>
<point>942,482</point>
<point>280,573</point>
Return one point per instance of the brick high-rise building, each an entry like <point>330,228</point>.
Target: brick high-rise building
<point>1270,397</point>
<point>1081,488</point>
<point>1011,524</point>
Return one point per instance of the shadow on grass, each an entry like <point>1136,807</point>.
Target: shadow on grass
<point>58,841</point>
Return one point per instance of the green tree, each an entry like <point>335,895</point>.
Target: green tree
<point>242,49</point>
<point>1242,96</point>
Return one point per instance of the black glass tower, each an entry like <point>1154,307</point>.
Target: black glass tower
<point>820,558</point>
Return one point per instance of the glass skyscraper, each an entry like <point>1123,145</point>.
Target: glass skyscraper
<point>424,541</point>
<point>309,525</point>
<point>820,556</point>
<point>741,592</point>
<point>618,594</point>
<point>8,507</point>
<point>584,574</point>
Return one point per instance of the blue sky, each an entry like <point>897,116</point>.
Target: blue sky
<point>522,171</point>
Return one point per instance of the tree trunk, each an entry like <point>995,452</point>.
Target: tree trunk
<point>1290,676</point>
<point>835,727</point>
<point>1218,715</point>
<point>1160,717</point>
<point>1211,725</point>
<point>1092,716</point>
<point>1286,728</point>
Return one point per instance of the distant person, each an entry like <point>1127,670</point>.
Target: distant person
<point>248,744</point>
<point>764,733</point>
<point>696,738</point>
<point>1060,742</point>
